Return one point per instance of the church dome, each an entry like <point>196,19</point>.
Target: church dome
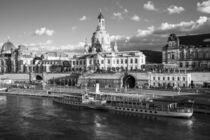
<point>100,16</point>
<point>7,48</point>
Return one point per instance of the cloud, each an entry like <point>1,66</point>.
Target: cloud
<point>175,9</point>
<point>190,27</point>
<point>135,18</point>
<point>70,47</point>
<point>117,15</point>
<point>74,28</point>
<point>143,33</point>
<point>150,6</point>
<point>125,10</point>
<point>204,6</point>
<point>83,18</point>
<point>44,31</point>
<point>206,40</point>
<point>200,25</point>
<point>119,37</point>
<point>154,38</point>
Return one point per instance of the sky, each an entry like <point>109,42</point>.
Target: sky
<point>65,24</point>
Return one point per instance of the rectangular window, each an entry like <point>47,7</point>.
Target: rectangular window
<point>183,78</point>
<point>126,61</point>
<point>108,61</point>
<point>90,62</point>
<point>178,78</point>
<point>158,78</point>
<point>131,61</point>
<point>168,78</point>
<point>163,78</point>
<point>121,61</point>
<point>102,61</point>
<point>136,60</point>
<point>153,78</point>
<point>73,62</point>
<point>173,78</point>
<point>117,61</point>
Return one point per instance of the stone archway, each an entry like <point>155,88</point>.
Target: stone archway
<point>129,81</point>
<point>39,78</point>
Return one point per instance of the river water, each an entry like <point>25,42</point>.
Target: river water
<point>33,118</point>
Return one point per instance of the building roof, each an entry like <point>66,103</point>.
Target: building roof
<point>104,76</point>
<point>71,76</point>
<point>201,39</point>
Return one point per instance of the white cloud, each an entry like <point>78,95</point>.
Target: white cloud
<point>185,26</point>
<point>204,6</point>
<point>118,15</point>
<point>71,47</point>
<point>44,31</point>
<point>83,18</point>
<point>143,33</point>
<point>175,9</point>
<point>119,37</point>
<point>135,18</point>
<point>200,25</point>
<point>206,40</point>
<point>150,6</point>
<point>125,10</point>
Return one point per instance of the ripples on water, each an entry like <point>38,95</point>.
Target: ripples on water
<point>37,118</point>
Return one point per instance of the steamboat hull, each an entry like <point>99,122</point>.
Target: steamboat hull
<point>152,112</point>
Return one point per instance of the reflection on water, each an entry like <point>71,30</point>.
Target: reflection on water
<point>38,118</point>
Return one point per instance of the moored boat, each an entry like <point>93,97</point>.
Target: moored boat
<point>82,100</point>
<point>138,104</point>
<point>151,108</point>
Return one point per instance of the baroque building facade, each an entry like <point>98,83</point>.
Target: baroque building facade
<point>52,62</point>
<point>101,55</point>
<point>191,52</point>
<point>15,60</point>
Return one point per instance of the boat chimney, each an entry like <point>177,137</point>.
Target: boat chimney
<point>97,87</point>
